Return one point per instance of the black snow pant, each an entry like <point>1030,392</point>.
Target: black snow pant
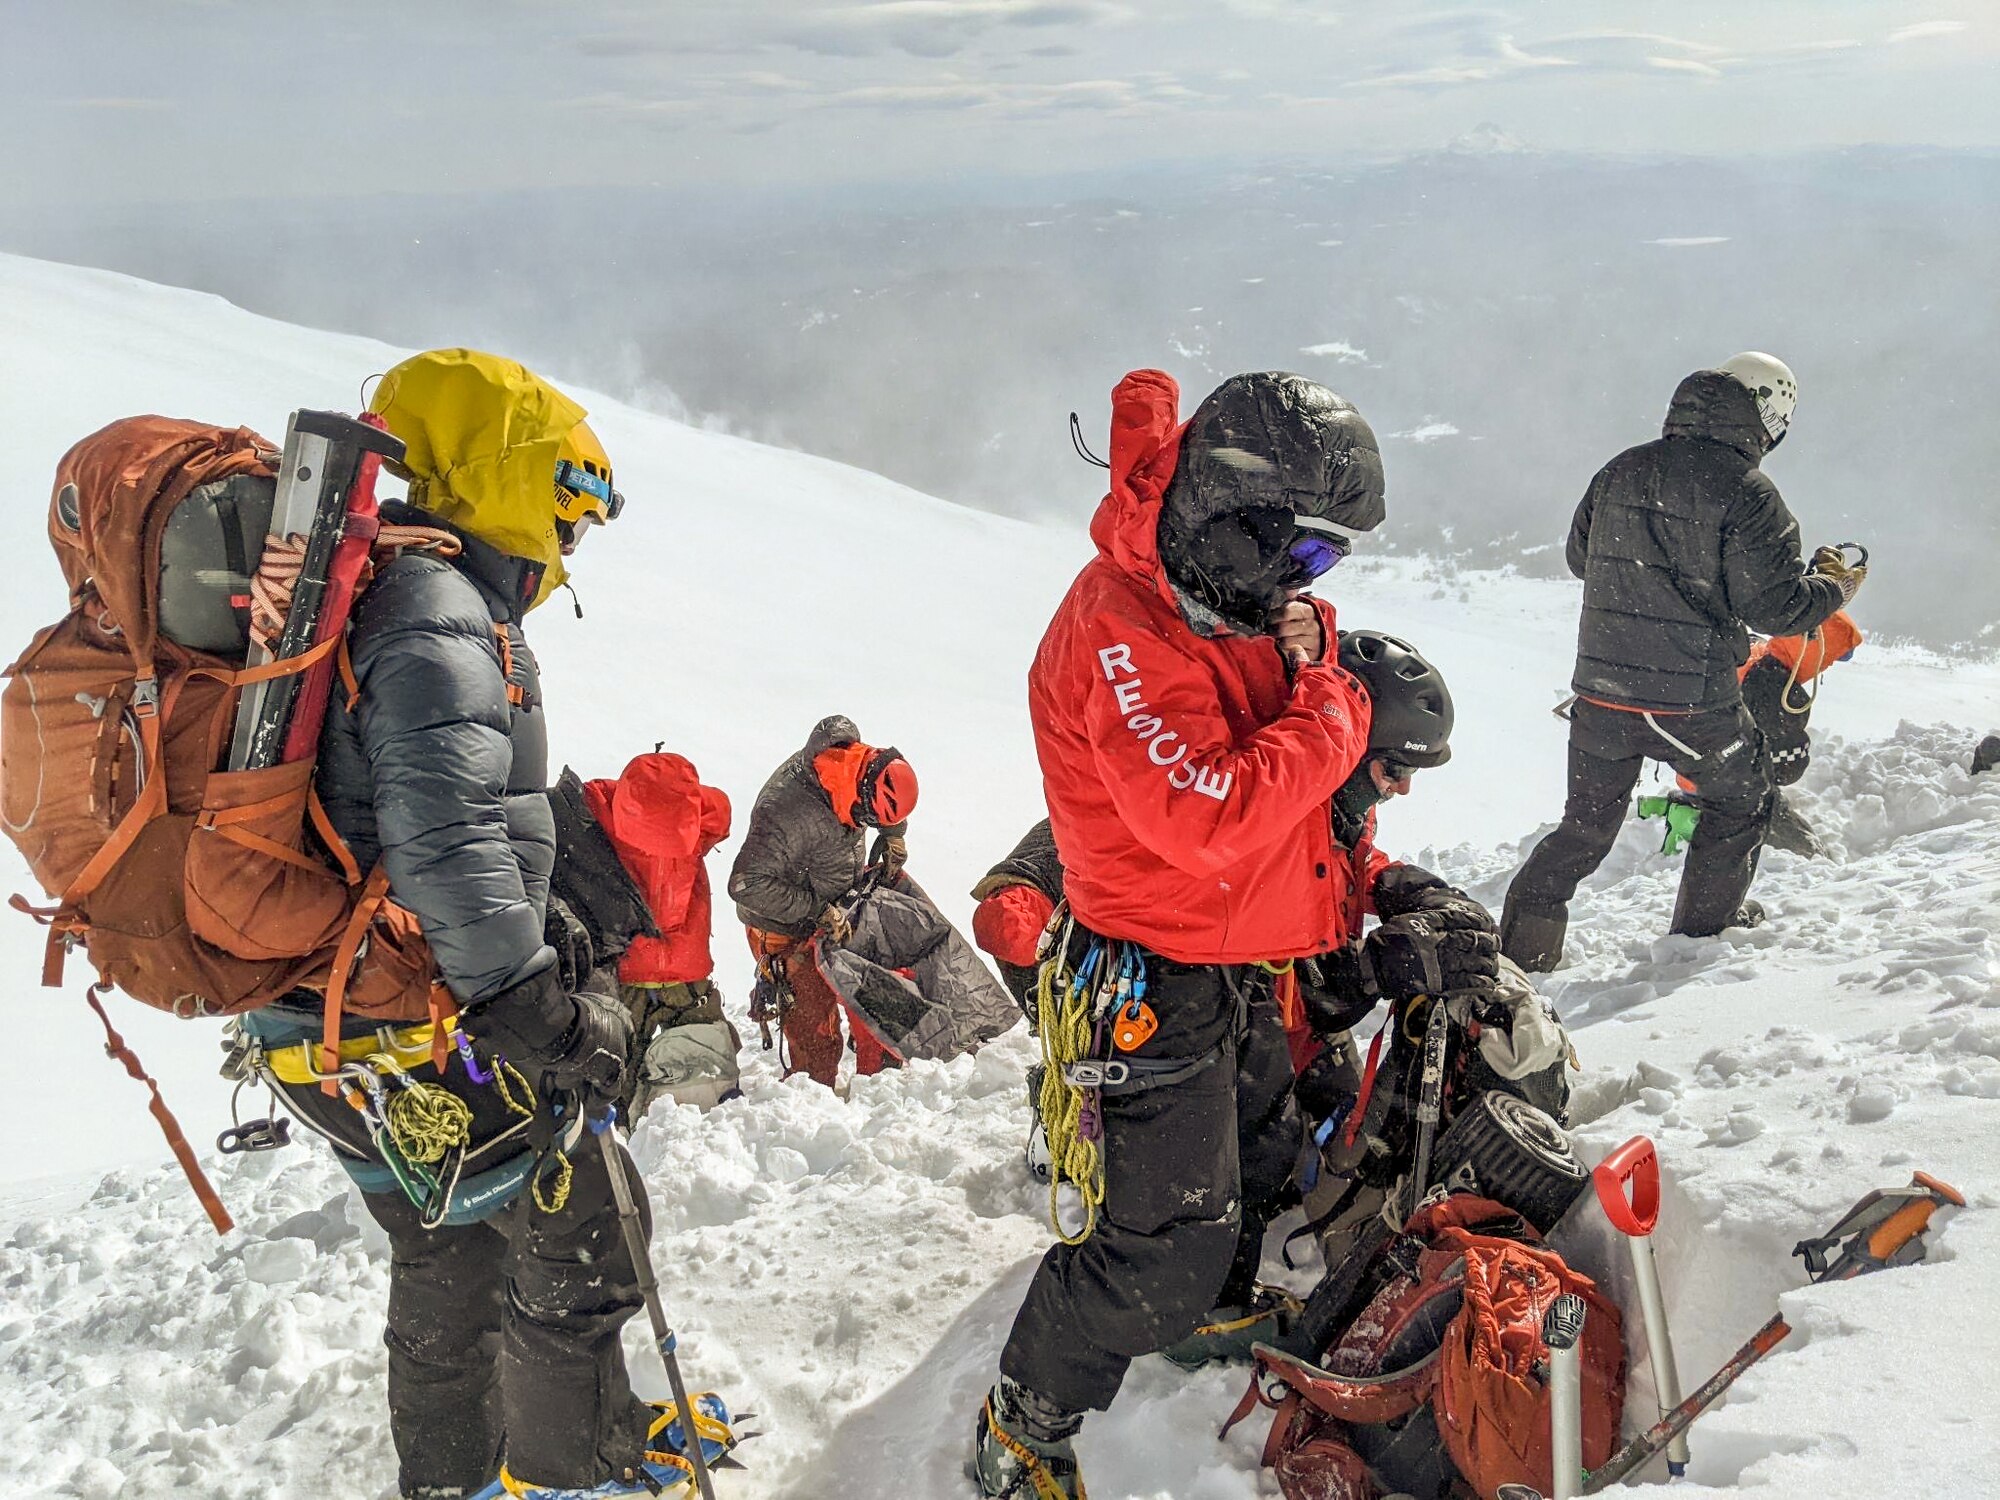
<point>1193,1172</point>
<point>1719,750</point>
<point>503,1339</point>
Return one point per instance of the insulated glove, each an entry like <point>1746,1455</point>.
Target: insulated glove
<point>593,1060</point>
<point>1337,990</point>
<point>833,922</point>
<point>1433,953</point>
<point>576,956</point>
<point>891,853</point>
<point>1831,562</point>
<point>1402,889</point>
<point>571,1043</point>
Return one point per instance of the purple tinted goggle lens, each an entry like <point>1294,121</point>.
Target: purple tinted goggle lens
<point>1314,552</point>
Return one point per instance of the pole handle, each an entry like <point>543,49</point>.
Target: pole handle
<point>1628,1187</point>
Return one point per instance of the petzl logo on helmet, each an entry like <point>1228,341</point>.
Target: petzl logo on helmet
<point>1164,747</point>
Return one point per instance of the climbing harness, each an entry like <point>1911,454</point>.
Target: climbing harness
<point>421,1131</point>
<point>1084,1015</point>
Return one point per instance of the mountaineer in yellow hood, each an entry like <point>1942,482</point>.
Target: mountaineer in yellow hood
<point>509,1279</point>
<point>499,453</point>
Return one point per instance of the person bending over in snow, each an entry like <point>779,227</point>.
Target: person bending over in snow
<point>661,821</point>
<point>506,1298</point>
<point>1191,730</point>
<point>1681,543</point>
<point>801,860</point>
<point>1986,755</point>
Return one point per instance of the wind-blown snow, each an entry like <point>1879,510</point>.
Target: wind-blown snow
<point>847,1267</point>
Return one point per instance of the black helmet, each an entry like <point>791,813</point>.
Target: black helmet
<point>1412,709</point>
<point>1263,453</point>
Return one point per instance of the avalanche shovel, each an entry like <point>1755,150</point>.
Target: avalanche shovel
<point>1628,1190</point>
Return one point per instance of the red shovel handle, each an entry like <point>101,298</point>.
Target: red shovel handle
<point>1628,1187</point>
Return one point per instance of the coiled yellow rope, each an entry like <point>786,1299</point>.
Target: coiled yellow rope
<point>425,1121</point>
<point>1064,1019</point>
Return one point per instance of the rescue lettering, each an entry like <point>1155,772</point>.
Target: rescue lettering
<point>1164,747</point>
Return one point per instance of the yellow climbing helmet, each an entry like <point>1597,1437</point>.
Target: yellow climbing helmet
<point>585,495</point>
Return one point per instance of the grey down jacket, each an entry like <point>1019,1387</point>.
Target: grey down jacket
<point>798,857</point>
<point>436,773</point>
<point>1681,543</point>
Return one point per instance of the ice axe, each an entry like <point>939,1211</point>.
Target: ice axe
<point>649,1288</point>
<point>1628,1190</point>
<point>1884,1229</point>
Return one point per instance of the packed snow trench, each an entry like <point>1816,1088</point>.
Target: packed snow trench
<point>847,1267</point>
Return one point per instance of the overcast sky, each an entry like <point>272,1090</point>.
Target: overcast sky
<point>112,101</point>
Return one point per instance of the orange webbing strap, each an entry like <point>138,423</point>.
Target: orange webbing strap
<point>1367,1087</point>
<point>330,836</point>
<point>443,1008</point>
<point>516,694</point>
<point>114,1046</point>
<point>347,678</point>
<point>224,822</point>
<point>148,805</point>
<point>373,894</point>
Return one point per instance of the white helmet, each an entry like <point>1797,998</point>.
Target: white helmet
<point>1770,380</point>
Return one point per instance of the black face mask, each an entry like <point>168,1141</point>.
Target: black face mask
<point>1239,564</point>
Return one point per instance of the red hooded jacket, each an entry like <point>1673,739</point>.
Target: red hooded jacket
<point>662,820</point>
<point>1187,781</point>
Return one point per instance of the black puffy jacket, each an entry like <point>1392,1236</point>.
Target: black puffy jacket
<point>436,772</point>
<point>1681,543</point>
<point>798,857</point>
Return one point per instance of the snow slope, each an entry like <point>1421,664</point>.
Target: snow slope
<point>846,1268</point>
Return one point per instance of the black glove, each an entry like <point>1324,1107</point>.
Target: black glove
<point>1402,889</point>
<point>564,931</point>
<point>1337,990</point>
<point>1330,1082</point>
<point>569,1043</point>
<point>1434,953</point>
<point>595,1058</point>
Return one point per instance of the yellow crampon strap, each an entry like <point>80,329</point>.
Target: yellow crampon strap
<point>1044,1482</point>
<point>1066,1025</point>
<point>706,1429</point>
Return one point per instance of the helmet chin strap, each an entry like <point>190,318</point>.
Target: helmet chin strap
<point>1357,797</point>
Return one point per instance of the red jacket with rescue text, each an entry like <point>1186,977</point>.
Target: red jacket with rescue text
<point>662,820</point>
<point>1187,779</point>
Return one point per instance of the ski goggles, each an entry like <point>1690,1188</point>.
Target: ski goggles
<point>1314,551</point>
<point>581,483</point>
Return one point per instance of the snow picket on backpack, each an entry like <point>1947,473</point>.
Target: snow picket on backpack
<point>196,889</point>
<point>1441,1380</point>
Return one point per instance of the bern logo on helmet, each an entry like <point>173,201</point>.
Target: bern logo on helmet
<point>1417,745</point>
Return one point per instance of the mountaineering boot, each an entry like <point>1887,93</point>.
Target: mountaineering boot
<point>1786,830</point>
<point>1532,937</point>
<point>1021,1447</point>
<point>1228,1333</point>
<point>1749,914</point>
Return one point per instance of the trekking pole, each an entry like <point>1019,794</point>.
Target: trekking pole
<point>649,1288</point>
<point>1677,1421</point>
<point>1628,1190</point>
<point>1562,1331</point>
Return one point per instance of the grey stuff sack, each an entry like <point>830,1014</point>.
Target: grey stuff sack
<point>944,1000</point>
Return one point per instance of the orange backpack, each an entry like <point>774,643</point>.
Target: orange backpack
<point>194,889</point>
<point>1442,1378</point>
